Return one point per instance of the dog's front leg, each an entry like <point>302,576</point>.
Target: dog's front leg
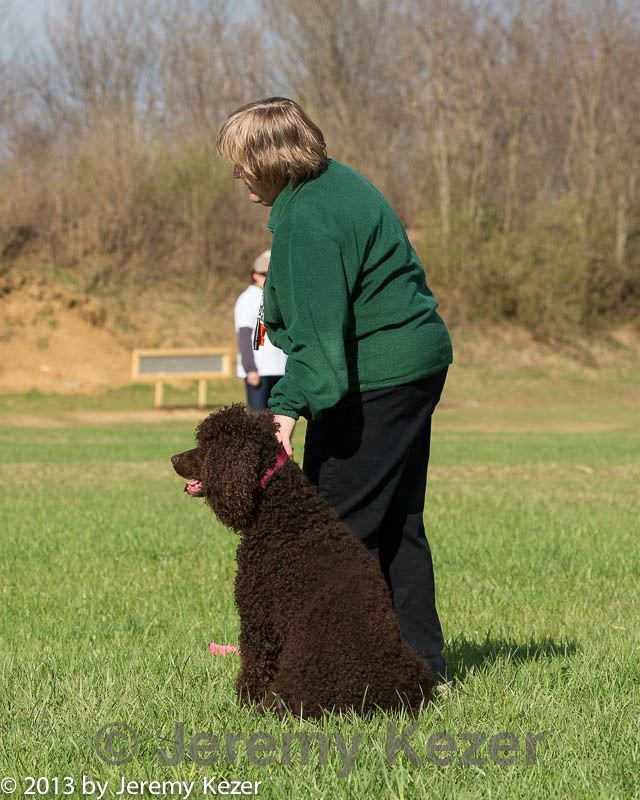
<point>259,650</point>
<point>260,629</point>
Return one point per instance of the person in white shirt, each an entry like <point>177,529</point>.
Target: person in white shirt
<point>261,369</point>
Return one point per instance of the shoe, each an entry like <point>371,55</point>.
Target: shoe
<point>443,685</point>
<point>444,688</point>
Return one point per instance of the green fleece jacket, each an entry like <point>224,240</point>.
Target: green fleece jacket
<point>346,296</point>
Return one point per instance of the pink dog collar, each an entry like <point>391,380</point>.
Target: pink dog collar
<point>281,459</point>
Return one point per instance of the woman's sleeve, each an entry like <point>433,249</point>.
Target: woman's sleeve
<point>316,374</point>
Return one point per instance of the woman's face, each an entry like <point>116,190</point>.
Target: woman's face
<point>259,191</point>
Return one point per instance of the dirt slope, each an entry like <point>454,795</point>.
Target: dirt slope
<point>54,339</point>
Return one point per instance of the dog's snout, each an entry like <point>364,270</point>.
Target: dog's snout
<point>187,464</point>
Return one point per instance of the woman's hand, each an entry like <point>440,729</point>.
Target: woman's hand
<point>285,431</point>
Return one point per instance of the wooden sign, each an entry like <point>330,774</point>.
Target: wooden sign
<point>201,364</point>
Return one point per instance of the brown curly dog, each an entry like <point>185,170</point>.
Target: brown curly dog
<point>317,630</point>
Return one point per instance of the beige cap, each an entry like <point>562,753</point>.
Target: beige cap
<point>261,264</point>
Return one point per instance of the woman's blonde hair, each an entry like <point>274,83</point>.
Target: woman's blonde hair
<point>274,141</point>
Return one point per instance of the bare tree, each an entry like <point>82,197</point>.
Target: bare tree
<point>9,87</point>
<point>621,155</point>
<point>506,133</point>
<point>587,60</point>
<point>345,60</point>
<point>453,102</point>
<point>209,65</point>
<point>100,60</point>
<point>515,89</point>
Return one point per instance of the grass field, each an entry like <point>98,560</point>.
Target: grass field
<point>113,582</point>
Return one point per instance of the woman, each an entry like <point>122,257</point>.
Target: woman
<point>346,299</point>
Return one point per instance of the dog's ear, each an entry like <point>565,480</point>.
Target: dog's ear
<point>239,446</point>
<point>209,429</point>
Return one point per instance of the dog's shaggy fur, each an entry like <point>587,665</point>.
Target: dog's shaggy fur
<point>317,630</point>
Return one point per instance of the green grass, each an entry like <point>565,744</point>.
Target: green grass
<point>136,396</point>
<point>112,583</point>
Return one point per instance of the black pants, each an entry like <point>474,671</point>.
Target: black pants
<point>257,396</point>
<point>368,455</point>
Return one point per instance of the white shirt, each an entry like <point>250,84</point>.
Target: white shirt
<point>269,359</point>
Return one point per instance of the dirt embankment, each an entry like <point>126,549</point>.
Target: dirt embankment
<point>55,339</point>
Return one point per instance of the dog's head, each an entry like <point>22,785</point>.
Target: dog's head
<point>235,449</point>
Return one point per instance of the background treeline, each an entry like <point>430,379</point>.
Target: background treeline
<point>506,135</point>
